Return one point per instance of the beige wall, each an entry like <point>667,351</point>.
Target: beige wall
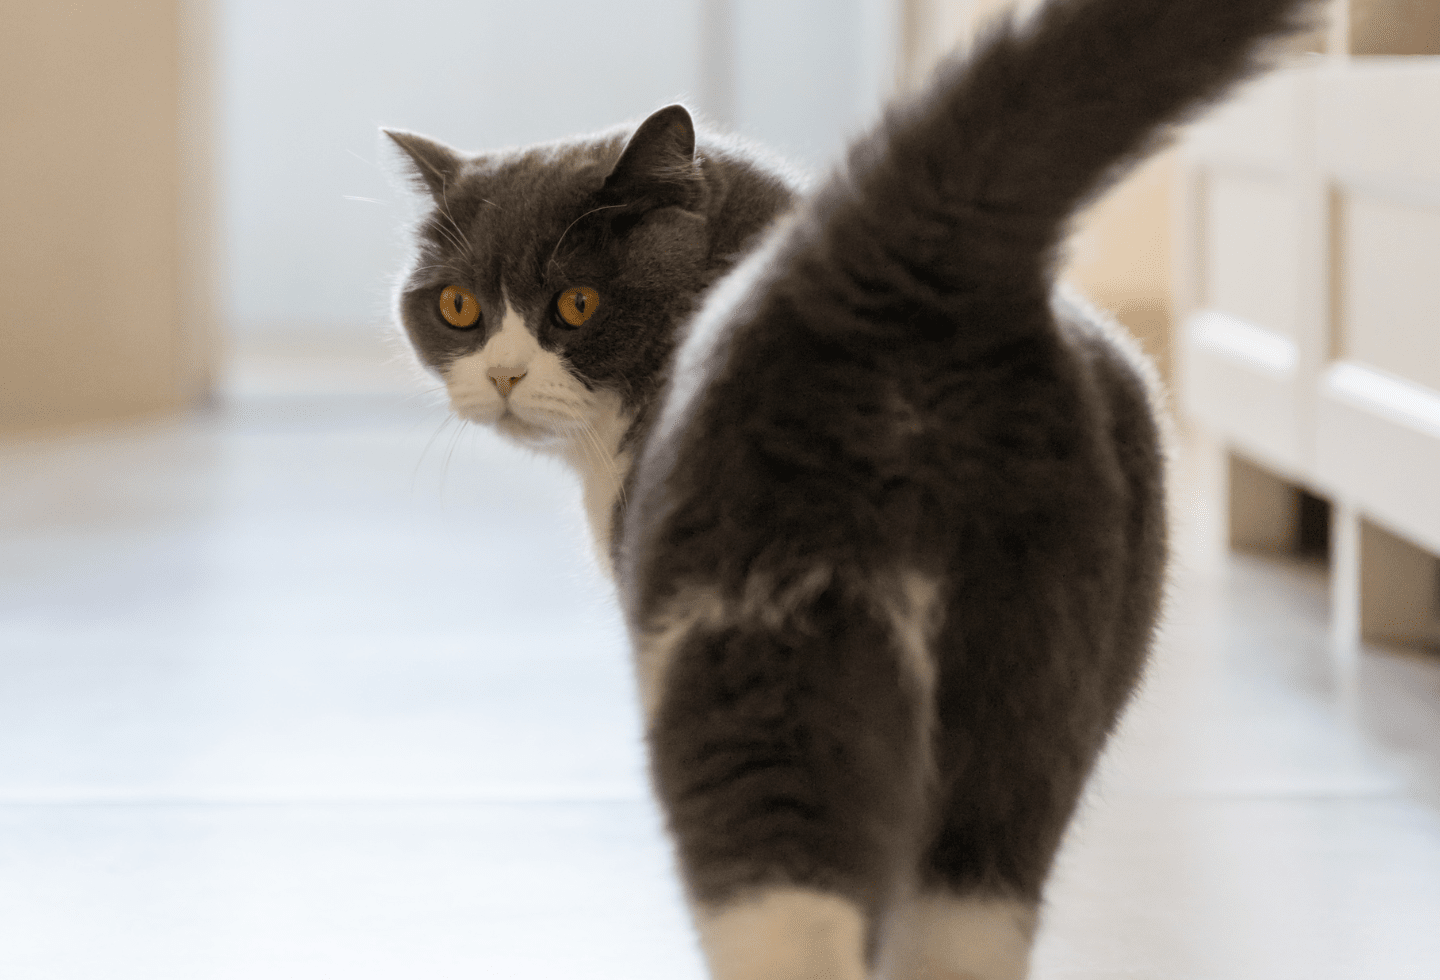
<point>97,319</point>
<point>1393,27</point>
<point>1120,254</point>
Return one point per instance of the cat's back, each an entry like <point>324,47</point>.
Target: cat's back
<point>789,446</point>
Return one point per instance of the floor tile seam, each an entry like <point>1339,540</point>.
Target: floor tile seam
<point>197,802</point>
<point>1366,796</point>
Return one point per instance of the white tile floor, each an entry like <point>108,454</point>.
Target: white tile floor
<point>313,687</point>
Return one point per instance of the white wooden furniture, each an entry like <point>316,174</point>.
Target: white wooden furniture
<point>1308,310</point>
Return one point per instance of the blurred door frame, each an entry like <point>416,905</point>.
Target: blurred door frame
<point>107,211</point>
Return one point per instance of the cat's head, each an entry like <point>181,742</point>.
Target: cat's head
<point>548,282</point>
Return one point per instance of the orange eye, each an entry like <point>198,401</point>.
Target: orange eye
<point>577,304</point>
<point>459,307</point>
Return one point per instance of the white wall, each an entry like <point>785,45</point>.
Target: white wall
<point>809,74</point>
<point>310,214</point>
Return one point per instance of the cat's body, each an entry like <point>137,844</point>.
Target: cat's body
<point>891,538</point>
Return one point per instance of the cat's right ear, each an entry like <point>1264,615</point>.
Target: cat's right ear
<point>657,167</point>
<point>434,165</point>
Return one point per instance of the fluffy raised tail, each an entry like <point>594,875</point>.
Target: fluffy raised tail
<point>968,188</point>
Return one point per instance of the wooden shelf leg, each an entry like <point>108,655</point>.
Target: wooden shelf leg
<point>1264,509</point>
<point>1399,592</point>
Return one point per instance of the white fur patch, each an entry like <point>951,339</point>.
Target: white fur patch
<point>912,604</point>
<point>694,607</point>
<point>940,937</point>
<point>785,934</point>
<point>691,608</point>
<point>473,392</point>
<point>594,454</point>
<point>909,600</point>
<point>774,603</point>
<point>549,410</point>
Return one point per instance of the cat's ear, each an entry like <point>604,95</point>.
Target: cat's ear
<point>434,165</point>
<point>658,168</point>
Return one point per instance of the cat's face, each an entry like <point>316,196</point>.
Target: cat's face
<point>548,283</point>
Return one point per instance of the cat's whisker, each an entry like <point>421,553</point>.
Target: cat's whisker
<point>437,267</point>
<point>585,443</point>
<point>368,163</point>
<point>457,237</point>
<point>452,237</point>
<point>556,250</point>
<point>446,233</point>
<point>606,462</point>
<point>422,392</point>
<point>445,469</point>
<point>591,437</point>
<point>425,393</point>
<point>415,476</point>
<point>609,460</point>
<point>462,241</point>
<point>571,414</point>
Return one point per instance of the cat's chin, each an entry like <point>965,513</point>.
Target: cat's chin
<point>526,433</point>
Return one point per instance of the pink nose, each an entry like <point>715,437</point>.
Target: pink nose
<point>506,378</point>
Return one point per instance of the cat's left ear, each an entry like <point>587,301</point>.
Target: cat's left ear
<point>435,165</point>
<point>658,168</point>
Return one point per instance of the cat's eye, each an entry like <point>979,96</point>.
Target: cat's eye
<point>459,307</point>
<point>577,304</point>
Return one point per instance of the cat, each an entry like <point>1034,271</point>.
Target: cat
<point>883,504</point>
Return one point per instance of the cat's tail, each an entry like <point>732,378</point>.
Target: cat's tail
<point>967,190</point>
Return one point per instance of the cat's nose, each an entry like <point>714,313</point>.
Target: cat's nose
<point>506,378</point>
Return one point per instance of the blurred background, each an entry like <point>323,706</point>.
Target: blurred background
<point>300,677</point>
<point>213,172</point>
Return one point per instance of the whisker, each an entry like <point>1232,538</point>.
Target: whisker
<point>465,246</point>
<point>609,460</point>
<point>445,470</point>
<point>556,249</point>
<point>414,477</point>
<point>592,439</point>
<point>456,238</point>
<point>450,236</point>
<point>587,442</point>
<point>422,393</point>
<point>368,163</point>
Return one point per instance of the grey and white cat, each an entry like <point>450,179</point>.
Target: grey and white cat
<point>884,507</point>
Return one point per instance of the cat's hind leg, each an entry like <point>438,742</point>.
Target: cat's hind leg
<point>789,748</point>
<point>1022,705</point>
<point>783,933</point>
<point>943,936</point>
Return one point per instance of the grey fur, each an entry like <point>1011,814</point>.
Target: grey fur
<point>656,228</point>
<point>888,389</point>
